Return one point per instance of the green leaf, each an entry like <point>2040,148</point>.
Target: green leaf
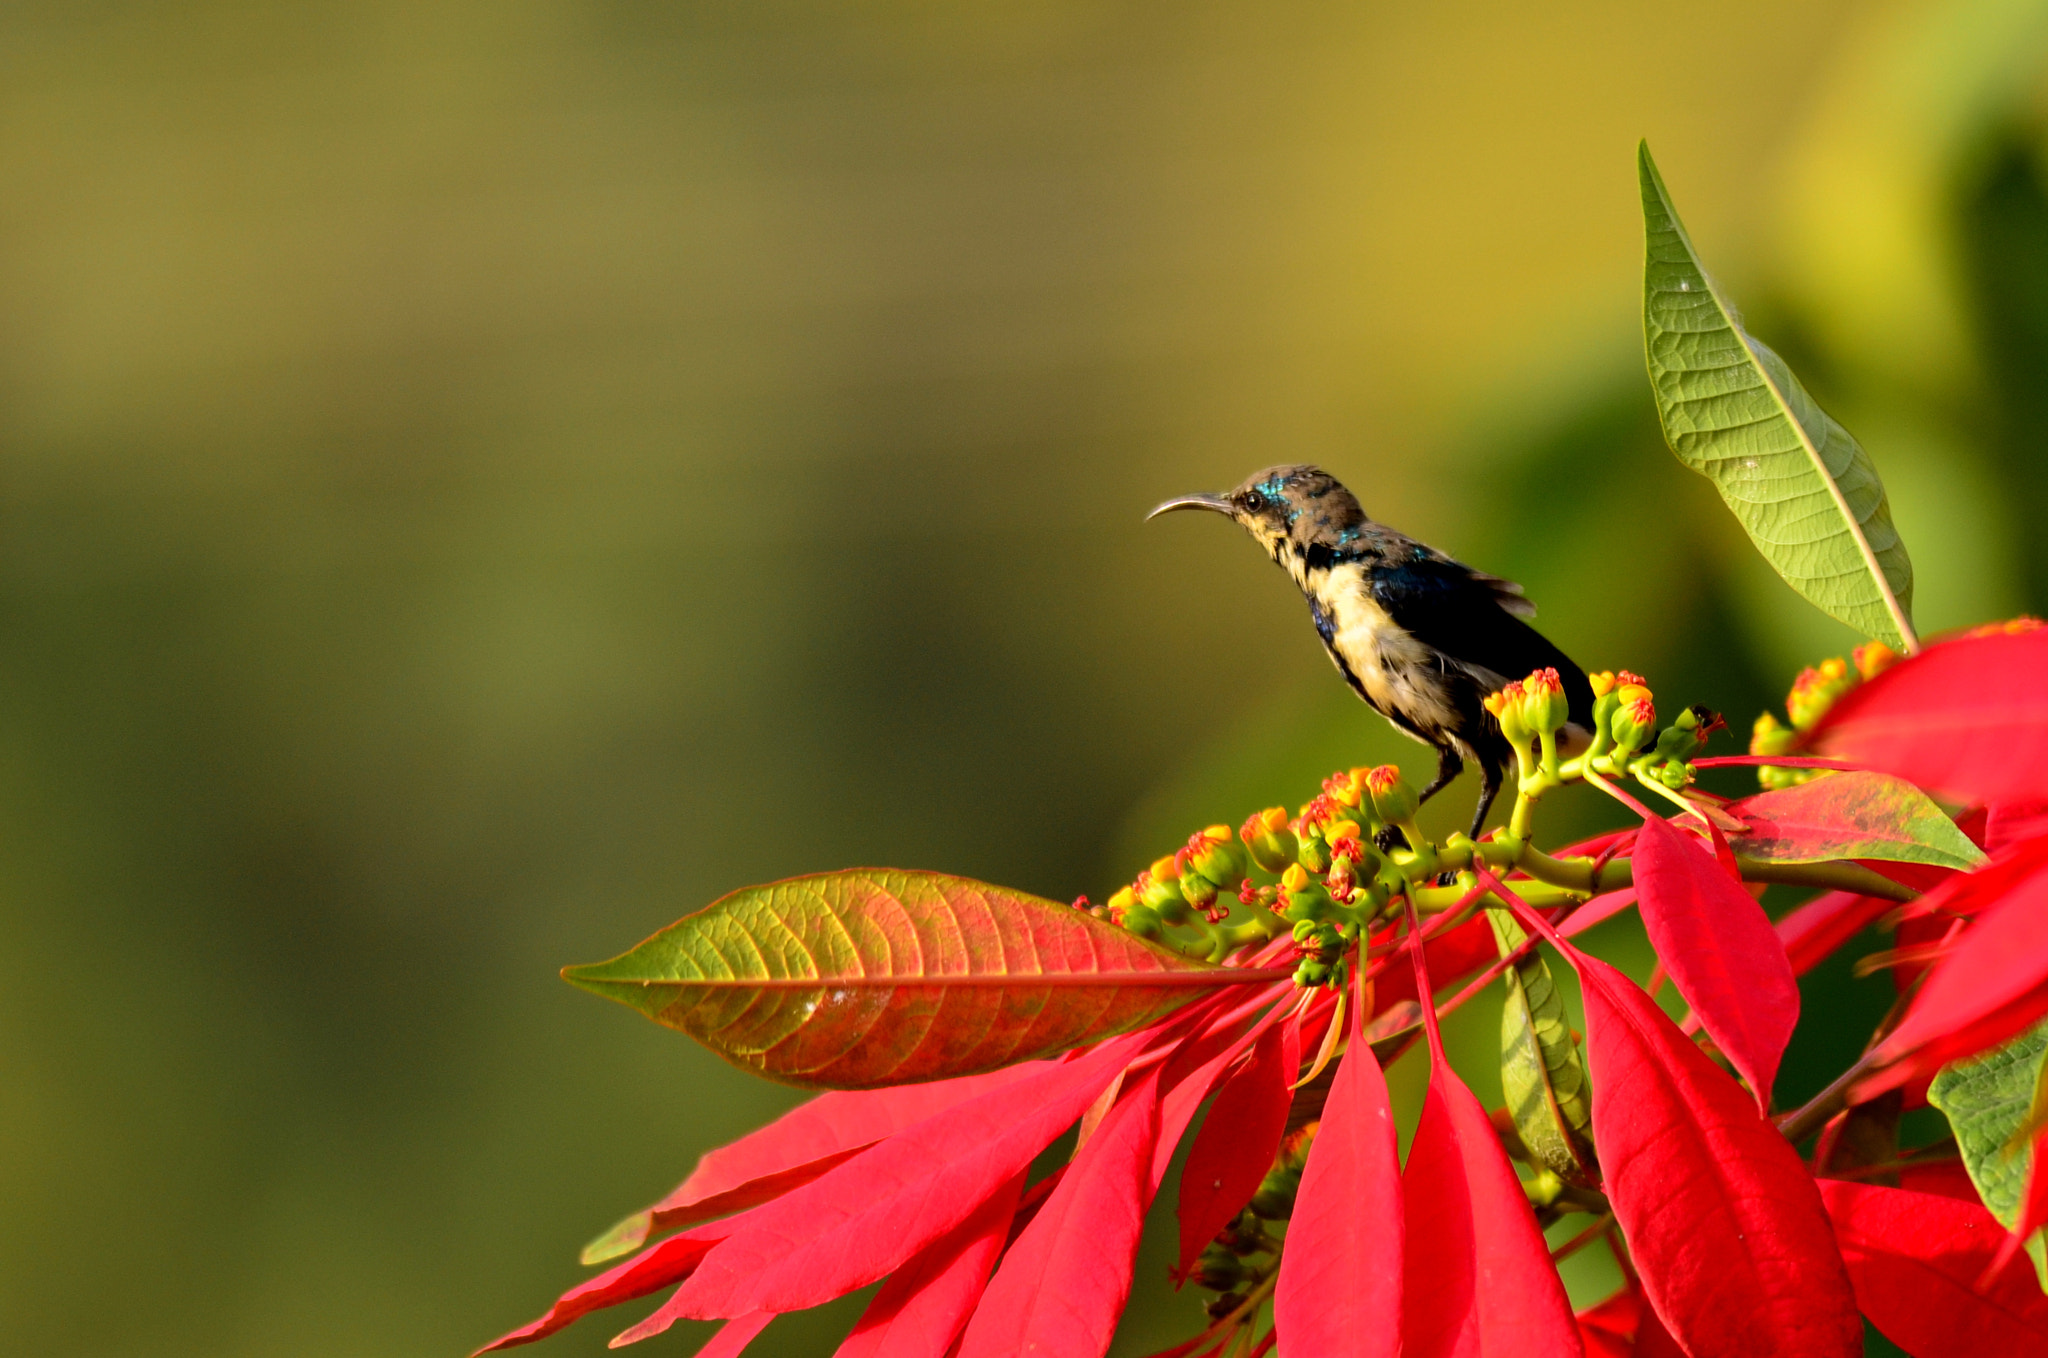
<point>1540,1070</point>
<point>1807,494</point>
<point>1988,1101</point>
<point>1852,815</point>
<point>850,980</point>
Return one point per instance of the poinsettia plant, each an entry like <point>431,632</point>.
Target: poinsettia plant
<point>1248,990</point>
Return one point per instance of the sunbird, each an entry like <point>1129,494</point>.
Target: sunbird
<point>1421,637</point>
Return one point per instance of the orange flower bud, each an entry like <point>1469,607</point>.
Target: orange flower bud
<point>1874,658</point>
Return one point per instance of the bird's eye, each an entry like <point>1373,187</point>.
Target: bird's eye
<point>1252,502</point>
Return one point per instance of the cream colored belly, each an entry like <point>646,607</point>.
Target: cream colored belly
<point>1398,673</point>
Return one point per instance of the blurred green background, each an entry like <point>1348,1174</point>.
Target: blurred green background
<point>478,481</point>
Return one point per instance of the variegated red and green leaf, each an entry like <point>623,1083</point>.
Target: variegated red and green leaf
<point>850,980</point>
<point>1852,815</point>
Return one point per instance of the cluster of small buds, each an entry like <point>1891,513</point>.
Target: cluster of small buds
<point>1332,877</point>
<point>2010,628</point>
<point>1245,1253</point>
<point>1531,712</point>
<point>1269,841</point>
<point>1817,689</point>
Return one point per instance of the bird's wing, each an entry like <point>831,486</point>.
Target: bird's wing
<point>1469,619</point>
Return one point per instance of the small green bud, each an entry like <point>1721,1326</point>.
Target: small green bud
<point>1275,1199</point>
<point>1266,836</point>
<point>1394,799</point>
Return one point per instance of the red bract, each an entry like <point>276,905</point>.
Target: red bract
<point>1916,1259</point>
<point>1967,719</point>
<point>864,1218</point>
<point>794,1149</point>
<point>653,1269</point>
<point>1062,1286</point>
<point>920,1311</point>
<point>1993,983</point>
<point>1478,1276</point>
<point>1724,1223</point>
<point>1811,932</point>
<point>1720,949</point>
<point>1340,1280</point>
<point>1238,1139</point>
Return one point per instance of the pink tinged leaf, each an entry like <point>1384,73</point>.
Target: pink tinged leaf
<point>1609,1329</point>
<point>1599,910</point>
<point>1811,932</point>
<point>1339,1294</point>
<point>921,1309</point>
<point>794,1149</point>
<point>1238,1139</point>
<point>1725,1225</point>
<point>2007,823</point>
<point>1062,1286</point>
<point>866,1217</point>
<point>1522,1307</point>
<point>1478,1276</point>
<point>1993,982</point>
<point>1853,815</point>
<point>1439,1304</point>
<point>1915,1260</point>
<point>851,980</point>
<point>1720,950</point>
<point>653,1269</point>
<point>1452,956</point>
<point>1967,719</point>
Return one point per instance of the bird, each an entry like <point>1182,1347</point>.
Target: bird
<point>1422,638</point>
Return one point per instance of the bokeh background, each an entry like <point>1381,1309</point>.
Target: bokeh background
<point>481,480</point>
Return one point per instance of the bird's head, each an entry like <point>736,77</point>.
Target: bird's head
<point>1287,509</point>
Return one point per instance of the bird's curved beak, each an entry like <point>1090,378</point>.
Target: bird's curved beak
<point>1210,502</point>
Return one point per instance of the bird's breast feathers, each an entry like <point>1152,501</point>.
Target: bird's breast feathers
<point>1394,671</point>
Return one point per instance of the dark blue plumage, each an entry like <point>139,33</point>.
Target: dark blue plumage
<point>1420,637</point>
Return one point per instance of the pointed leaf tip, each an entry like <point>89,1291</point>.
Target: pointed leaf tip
<point>1804,490</point>
<point>1720,949</point>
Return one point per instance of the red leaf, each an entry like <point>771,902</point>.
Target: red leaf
<point>1478,1276</point>
<point>1720,949</point>
<point>1609,1329</point>
<point>653,1269</point>
<point>1522,1308</point>
<point>1599,910</point>
<point>1859,815</point>
<point>1339,1294</point>
<point>1967,719</point>
<point>730,1341</point>
<point>1439,1302</point>
<point>866,1217</point>
<point>793,1150</point>
<point>921,1309</point>
<point>1452,955</point>
<point>2007,823</point>
<point>874,976</point>
<point>1238,1139</point>
<point>1989,985</point>
<point>1727,1230</point>
<point>1062,1286</point>
<point>1811,932</point>
<point>1915,1258</point>
<point>1725,1225</point>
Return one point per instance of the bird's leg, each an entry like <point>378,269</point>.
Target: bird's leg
<point>1491,772</point>
<point>1448,767</point>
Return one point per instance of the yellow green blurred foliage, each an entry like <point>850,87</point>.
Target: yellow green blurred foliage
<point>478,481</point>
